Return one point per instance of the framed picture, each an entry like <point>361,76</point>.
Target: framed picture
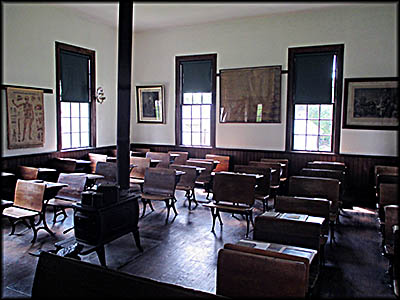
<point>25,116</point>
<point>150,103</point>
<point>371,103</point>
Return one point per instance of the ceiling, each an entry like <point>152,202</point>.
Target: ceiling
<point>157,15</point>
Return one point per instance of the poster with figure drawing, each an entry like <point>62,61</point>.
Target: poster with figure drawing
<point>25,114</point>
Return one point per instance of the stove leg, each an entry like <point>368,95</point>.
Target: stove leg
<point>137,239</point>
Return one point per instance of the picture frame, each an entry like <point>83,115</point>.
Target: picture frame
<point>150,103</point>
<point>371,103</point>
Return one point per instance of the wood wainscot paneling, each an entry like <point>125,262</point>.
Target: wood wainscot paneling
<point>10,163</point>
<point>360,168</point>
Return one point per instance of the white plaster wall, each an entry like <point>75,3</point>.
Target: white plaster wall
<point>369,33</point>
<point>28,53</point>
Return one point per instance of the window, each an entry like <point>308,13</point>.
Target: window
<point>76,115</point>
<point>195,100</point>
<point>314,98</point>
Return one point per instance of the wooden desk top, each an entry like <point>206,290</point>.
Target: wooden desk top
<point>257,176</point>
<point>306,253</point>
<point>90,176</point>
<point>6,174</point>
<point>294,217</point>
<point>46,170</point>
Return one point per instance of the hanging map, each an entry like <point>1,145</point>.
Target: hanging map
<point>25,114</point>
<point>251,95</point>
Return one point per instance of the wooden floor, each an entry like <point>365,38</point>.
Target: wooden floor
<point>184,252</point>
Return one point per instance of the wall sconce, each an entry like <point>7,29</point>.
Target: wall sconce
<point>100,95</point>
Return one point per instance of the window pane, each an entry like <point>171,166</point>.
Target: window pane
<point>205,125</point>
<point>206,111</point>
<point>65,109</point>
<point>206,139</point>
<point>186,138</point>
<point>312,127</point>
<point>84,124</point>
<point>187,98</point>
<point>300,111</point>
<point>207,98</point>
<point>312,142</point>
<point>74,124</point>
<point>66,140</point>
<point>186,125</point>
<point>75,140</point>
<point>85,139</point>
<point>299,142</point>
<point>197,98</point>
<point>65,125</point>
<point>326,111</point>
<point>300,126</point>
<point>196,125</point>
<point>196,111</point>
<point>325,127</point>
<point>196,138</point>
<point>84,110</point>
<point>75,109</point>
<point>186,111</point>
<point>324,143</point>
<point>313,111</point>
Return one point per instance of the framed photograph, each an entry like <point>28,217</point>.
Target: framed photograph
<point>150,103</point>
<point>371,103</point>
<point>25,117</point>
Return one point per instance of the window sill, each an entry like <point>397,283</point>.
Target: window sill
<point>311,152</point>
<point>200,147</point>
<point>77,149</point>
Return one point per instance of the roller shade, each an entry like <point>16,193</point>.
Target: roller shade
<point>197,76</point>
<point>313,78</point>
<point>74,77</point>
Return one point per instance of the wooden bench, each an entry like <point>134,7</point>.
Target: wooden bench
<point>233,193</point>
<point>27,173</point>
<point>204,180</point>
<point>58,276</point>
<point>284,164</point>
<point>181,159</point>
<point>250,273</point>
<point>187,182</point>
<point>388,195</point>
<point>108,170</point>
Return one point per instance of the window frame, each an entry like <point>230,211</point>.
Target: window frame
<point>92,104</point>
<point>179,97</point>
<point>338,49</point>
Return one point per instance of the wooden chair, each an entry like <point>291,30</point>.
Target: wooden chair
<point>63,165</point>
<point>94,158</point>
<point>28,204</point>
<point>67,195</point>
<point>263,190</point>
<point>275,176</point>
<point>385,174</point>
<point>108,170</point>
<point>137,173</point>
<point>233,193</point>
<point>330,165</point>
<point>27,173</point>
<point>316,187</point>
<point>388,195</point>
<point>187,182</point>
<point>181,159</point>
<point>285,166</point>
<point>316,207</point>
<point>159,185</point>
<point>291,232</point>
<point>204,180</point>
<point>163,156</point>
<point>223,162</point>
<point>327,173</point>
